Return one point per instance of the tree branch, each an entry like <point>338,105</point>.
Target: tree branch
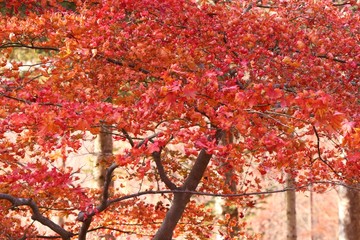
<point>319,153</point>
<point>37,216</point>
<point>164,178</point>
<point>29,102</point>
<point>131,65</point>
<point>105,196</point>
<point>20,45</point>
<point>181,199</point>
<point>335,59</point>
<point>339,4</point>
<point>66,235</point>
<point>126,134</point>
<point>86,217</point>
<point>232,195</point>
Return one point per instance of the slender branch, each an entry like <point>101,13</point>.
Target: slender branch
<point>233,195</point>
<point>339,4</point>
<point>86,217</point>
<point>43,237</point>
<point>67,235</point>
<point>265,6</point>
<point>161,170</point>
<point>29,102</point>
<point>248,8</point>
<point>36,215</point>
<point>112,229</point>
<point>126,134</point>
<point>131,65</point>
<point>147,139</point>
<point>319,153</point>
<point>21,45</point>
<point>15,98</point>
<point>270,117</point>
<point>335,59</point>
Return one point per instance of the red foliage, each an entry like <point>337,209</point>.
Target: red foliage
<point>169,76</point>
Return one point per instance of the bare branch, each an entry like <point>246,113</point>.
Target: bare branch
<point>233,195</point>
<point>147,139</point>
<point>21,45</point>
<point>67,235</point>
<point>319,153</point>
<point>37,216</point>
<point>29,102</point>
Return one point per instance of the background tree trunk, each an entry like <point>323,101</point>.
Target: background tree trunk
<point>106,151</point>
<point>291,209</point>
<point>232,210</point>
<point>349,214</point>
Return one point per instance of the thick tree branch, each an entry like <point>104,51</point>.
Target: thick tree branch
<point>36,215</point>
<point>108,179</point>
<point>164,178</point>
<point>84,228</point>
<point>180,200</point>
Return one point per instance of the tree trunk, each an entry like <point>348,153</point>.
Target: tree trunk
<point>343,211</point>
<point>291,209</point>
<point>106,150</point>
<point>104,160</point>
<point>349,214</point>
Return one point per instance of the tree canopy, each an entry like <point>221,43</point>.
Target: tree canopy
<point>197,89</point>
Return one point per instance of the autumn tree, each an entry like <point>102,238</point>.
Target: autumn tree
<point>170,78</point>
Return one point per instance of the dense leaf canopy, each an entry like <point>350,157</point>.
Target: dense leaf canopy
<point>196,90</point>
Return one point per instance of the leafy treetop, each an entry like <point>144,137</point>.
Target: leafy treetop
<point>196,89</point>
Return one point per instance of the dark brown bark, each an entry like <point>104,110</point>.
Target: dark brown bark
<point>352,223</point>
<point>164,178</point>
<point>180,200</point>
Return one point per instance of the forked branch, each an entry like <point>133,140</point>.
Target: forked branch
<point>36,215</point>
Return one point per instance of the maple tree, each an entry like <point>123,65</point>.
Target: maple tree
<point>174,80</point>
